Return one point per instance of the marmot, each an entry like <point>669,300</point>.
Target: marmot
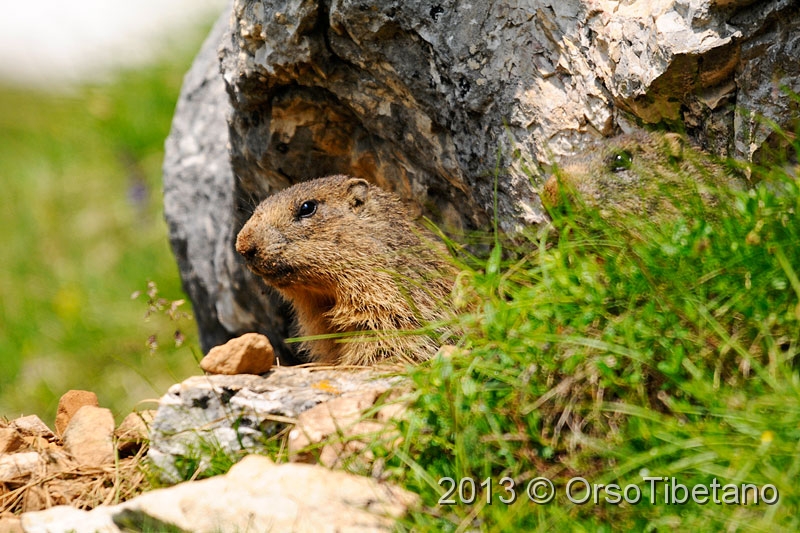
<point>349,259</point>
<point>645,173</point>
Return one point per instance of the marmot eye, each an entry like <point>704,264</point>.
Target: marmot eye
<point>307,209</point>
<point>621,160</point>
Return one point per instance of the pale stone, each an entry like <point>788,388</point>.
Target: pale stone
<point>338,415</point>
<point>351,445</point>
<point>396,410</point>
<point>88,437</point>
<point>345,426</point>
<point>133,431</point>
<point>256,495</point>
<point>15,466</point>
<point>38,443</point>
<point>65,519</point>
<point>68,405</point>
<point>32,425</point>
<point>251,353</point>
<point>35,498</point>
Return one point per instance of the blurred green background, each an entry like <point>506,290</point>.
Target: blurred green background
<point>81,229</point>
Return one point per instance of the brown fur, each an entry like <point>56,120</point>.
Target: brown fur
<point>356,264</point>
<point>645,173</point>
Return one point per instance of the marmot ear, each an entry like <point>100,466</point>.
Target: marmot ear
<point>357,190</point>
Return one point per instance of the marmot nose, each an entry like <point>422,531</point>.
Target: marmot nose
<point>246,246</point>
<point>250,252</point>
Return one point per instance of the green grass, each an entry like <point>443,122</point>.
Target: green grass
<point>619,349</point>
<point>82,229</point>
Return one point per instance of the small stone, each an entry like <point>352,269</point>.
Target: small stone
<point>15,466</point>
<point>88,437</point>
<point>69,404</point>
<point>57,460</point>
<point>251,353</point>
<point>63,518</point>
<point>10,440</point>
<point>133,431</point>
<point>32,425</point>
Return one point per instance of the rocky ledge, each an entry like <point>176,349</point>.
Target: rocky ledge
<point>239,413</point>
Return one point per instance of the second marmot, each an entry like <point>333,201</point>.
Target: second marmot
<point>642,173</point>
<point>355,268</point>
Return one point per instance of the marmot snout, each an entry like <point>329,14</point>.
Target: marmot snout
<point>348,258</point>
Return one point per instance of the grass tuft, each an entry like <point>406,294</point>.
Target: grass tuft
<point>620,348</point>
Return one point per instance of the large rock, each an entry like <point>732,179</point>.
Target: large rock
<point>429,98</point>
<point>239,413</point>
<point>256,495</point>
<point>199,188</point>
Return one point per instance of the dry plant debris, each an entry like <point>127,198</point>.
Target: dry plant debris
<point>37,470</point>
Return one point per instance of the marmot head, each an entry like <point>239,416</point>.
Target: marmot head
<point>349,258</point>
<point>313,231</point>
<point>641,173</point>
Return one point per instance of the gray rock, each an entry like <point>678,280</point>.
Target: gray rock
<point>199,208</point>
<point>769,66</point>
<point>236,413</point>
<point>429,98</point>
<point>256,495</point>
